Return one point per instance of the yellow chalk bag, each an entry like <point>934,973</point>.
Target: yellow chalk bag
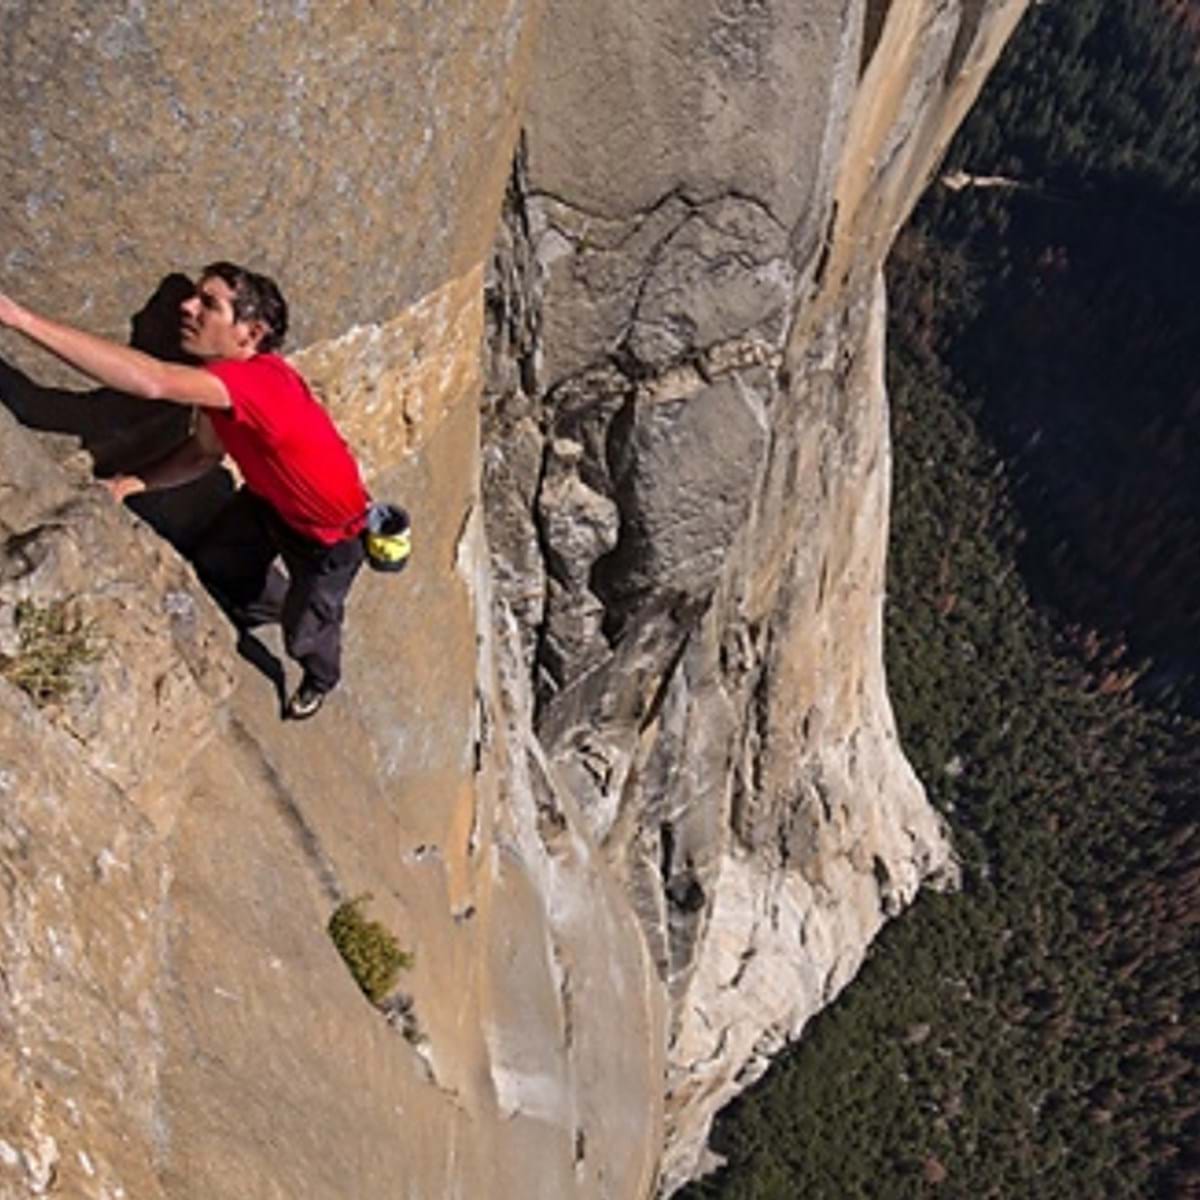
<point>387,537</point>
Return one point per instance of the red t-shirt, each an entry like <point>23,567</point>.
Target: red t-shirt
<point>288,449</point>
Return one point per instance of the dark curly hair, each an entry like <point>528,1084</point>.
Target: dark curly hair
<point>255,298</point>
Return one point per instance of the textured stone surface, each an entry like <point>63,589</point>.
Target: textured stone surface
<point>356,151</point>
<point>638,103</point>
<point>683,471</point>
<point>707,330</point>
<point>614,756</point>
<point>389,385</point>
<point>175,1020</point>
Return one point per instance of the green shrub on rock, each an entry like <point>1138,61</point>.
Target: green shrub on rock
<point>368,949</point>
<point>53,642</point>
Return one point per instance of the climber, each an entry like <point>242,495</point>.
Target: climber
<point>303,499</point>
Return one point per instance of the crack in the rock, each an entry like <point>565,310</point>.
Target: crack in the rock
<point>746,957</point>
<point>566,999</point>
<point>678,194</point>
<point>717,1053</point>
<point>289,809</point>
<point>968,29</point>
<point>694,208</point>
<point>698,367</point>
<point>425,1054</point>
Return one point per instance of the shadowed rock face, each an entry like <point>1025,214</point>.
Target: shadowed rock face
<point>614,755</point>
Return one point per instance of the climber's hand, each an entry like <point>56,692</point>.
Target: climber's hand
<point>12,315</point>
<point>121,486</point>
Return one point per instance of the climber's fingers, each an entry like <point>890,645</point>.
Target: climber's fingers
<point>11,313</point>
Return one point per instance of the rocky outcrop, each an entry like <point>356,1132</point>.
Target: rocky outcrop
<point>174,1020</point>
<point>614,757</point>
<point>688,483</point>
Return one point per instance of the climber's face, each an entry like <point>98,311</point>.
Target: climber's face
<point>209,327</point>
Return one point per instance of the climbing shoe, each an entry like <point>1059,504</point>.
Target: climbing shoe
<point>305,702</point>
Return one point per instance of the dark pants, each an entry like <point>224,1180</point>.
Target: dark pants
<point>235,559</point>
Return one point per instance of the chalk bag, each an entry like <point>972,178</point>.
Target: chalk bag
<point>388,537</point>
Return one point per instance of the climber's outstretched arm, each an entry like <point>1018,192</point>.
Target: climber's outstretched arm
<point>116,366</point>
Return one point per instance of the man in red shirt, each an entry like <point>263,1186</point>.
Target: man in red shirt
<point>303,499</point>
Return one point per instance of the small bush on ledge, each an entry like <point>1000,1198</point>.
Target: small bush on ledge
<point>368,949</point>
<point>53,642</point>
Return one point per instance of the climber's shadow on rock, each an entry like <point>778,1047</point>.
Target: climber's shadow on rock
<point>123,434</point>
<point>259,656</point>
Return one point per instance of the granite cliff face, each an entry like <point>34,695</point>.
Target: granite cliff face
<point>687,483</point>
<point>615,756</point>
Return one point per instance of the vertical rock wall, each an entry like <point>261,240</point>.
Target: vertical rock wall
<point>356,151</point>
<point>614,756</point>
<point>174,1020</point>
<point>686,468</point>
